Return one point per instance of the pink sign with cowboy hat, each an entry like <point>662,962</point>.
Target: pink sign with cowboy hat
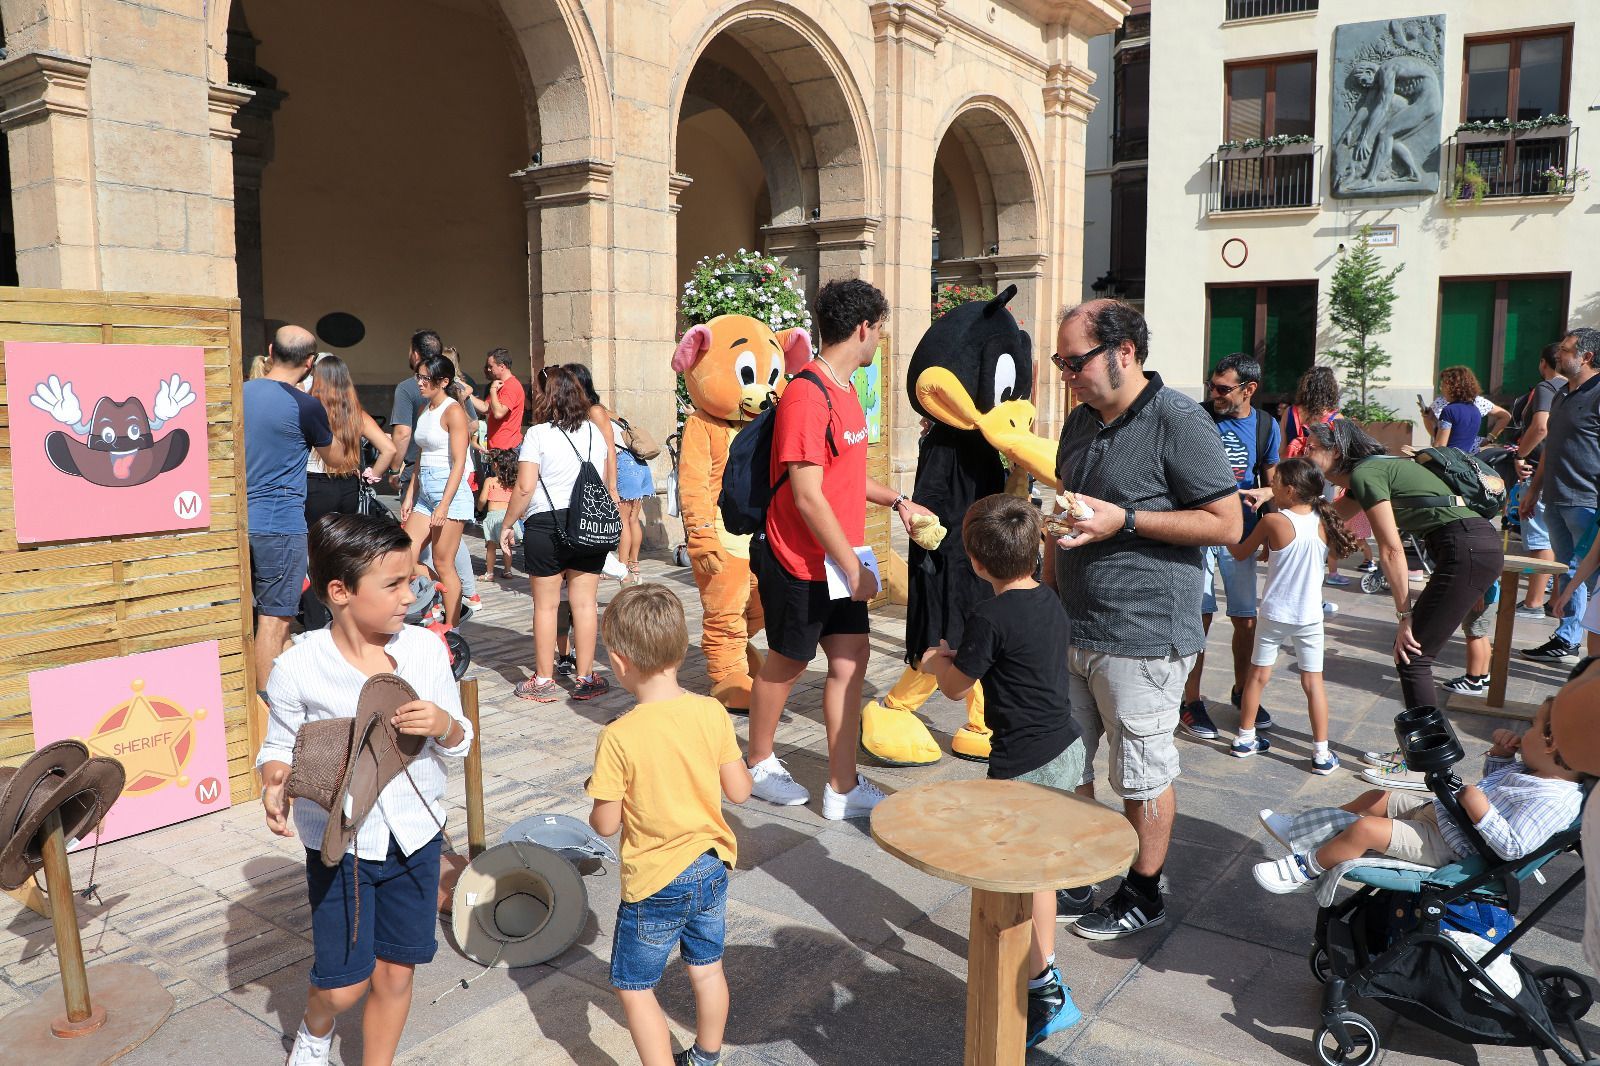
<point>106,439</point>
<point>159,714</point>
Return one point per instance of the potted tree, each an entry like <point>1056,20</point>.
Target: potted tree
<point>1361,307</point>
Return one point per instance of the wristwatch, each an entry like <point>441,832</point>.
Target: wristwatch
<point>1127,520</point>
<point>1399,614</point>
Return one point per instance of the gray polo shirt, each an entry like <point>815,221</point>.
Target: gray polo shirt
<point>1128,595</point>
<point>1572,450</point>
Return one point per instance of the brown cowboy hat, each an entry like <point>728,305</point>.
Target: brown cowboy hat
<point>378,753</point>
<point>58,777</point>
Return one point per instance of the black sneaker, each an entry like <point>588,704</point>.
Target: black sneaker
<point>686,1058</point>
<point>1073,903</point>
<point>566,665</point>
<point>1193,720</point>
<point>1554,650</point>
<point>1263,719</point>
<point>1125,913</point>
<point>590,687</point>
<point>1050,1009</point>
<point>1468,685</point>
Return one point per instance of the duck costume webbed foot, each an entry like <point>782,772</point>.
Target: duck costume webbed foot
<point>892,733</point>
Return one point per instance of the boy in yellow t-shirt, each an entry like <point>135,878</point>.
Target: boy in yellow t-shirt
<point>660,772</point>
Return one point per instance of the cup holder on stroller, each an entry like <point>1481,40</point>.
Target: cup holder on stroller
<point>1428,740</point>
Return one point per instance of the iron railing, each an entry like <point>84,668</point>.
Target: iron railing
<point>1487,166</point>
<point>1266,179</point>
<point>1255,9</point>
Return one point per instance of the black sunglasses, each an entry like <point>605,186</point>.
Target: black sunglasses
<point>1223,390</point>
<point>1076,363</point>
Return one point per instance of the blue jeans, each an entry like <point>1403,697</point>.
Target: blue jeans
<point>1571,531</point>
<point>690,913</point>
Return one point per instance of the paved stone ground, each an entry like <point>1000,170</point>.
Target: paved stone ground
<point>837,953</point>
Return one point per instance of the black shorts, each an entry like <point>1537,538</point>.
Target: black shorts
<point>799,612</point>
<point>543,553</point>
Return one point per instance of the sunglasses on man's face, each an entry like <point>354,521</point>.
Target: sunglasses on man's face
<point>1223,390</point>
<point>1075,363</point>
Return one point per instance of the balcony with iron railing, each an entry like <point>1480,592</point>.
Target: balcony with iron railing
<point>1279,178</point>
<point>1500,164</point>
<point>1238,10</point>
<point>1130,145</point>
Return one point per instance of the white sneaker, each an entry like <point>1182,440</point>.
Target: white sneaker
<point>857,803</point>
<point>770,781</point>
<point>1283,875</point>
<point>1396,776</point>
<point>309,1050</point>
<point>1384,759</point>
<point>614,567</point>
<point>1277,825</point>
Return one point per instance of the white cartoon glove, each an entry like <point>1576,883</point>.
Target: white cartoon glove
<point>58,401</point>
<point>173,396</point>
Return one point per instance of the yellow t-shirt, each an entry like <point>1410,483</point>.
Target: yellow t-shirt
<point>661,760</point>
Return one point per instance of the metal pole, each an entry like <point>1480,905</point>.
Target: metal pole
<point>474,769</point>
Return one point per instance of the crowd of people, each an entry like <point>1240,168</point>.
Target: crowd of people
<point>1093,634</point>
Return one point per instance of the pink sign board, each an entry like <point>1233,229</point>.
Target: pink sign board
<point>107,439</point>
<point>158,713</point>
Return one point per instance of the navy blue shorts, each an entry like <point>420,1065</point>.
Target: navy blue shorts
<point>691,912</point>
<point>277,572</point>
<point>399,917</point>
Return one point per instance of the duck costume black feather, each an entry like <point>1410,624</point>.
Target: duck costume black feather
<point>971,377</point>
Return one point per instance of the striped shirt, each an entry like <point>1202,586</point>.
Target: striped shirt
<point>1127,595</point>
<point>313,680</point>
<point>1524,810</point>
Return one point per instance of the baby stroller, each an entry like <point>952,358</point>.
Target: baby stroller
<point>1373,582</point>
<point>1399,938</point>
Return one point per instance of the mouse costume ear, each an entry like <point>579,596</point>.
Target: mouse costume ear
<point>691,348</point>
<point>796,345</point>
<point>999,301</point>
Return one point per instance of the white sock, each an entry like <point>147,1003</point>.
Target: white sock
<point>306,1036</point>
<point>1247,736</point>
<point>1319,747</point>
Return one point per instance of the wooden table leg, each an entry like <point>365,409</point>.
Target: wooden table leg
<point>997,979</point>
<point>1504,621</point>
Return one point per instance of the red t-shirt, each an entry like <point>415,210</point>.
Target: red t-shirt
<point>798,436</point>
<point>507,432</point>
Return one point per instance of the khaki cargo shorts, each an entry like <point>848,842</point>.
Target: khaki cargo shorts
<point>1416,837</point>
<point>1133,703</point>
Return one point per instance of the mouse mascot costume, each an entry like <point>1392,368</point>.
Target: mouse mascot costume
<point>971,377</point>
<point>734,367</point>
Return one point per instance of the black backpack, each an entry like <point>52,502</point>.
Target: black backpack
<point>747,484</point>
<point>593,522</point>
<point>1472,484</point>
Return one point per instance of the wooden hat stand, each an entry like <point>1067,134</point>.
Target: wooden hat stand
<point>131,1003</point>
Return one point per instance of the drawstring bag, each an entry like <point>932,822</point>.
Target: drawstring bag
<point>593,522</point>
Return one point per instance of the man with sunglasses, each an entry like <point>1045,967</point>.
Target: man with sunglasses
<point>1250,440</point>
<point>1149,464</point>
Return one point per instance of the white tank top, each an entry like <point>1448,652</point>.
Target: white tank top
<point>433,440</point>
<point>1293,594</point>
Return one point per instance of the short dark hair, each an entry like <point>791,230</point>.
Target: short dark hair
<point>1246,366</point>
<point>501,356</point>
<point>586,380</point>
<point>438,369</point>
<point>1348,441</point>
<point>426,343</point>
<point>292,346</point>
<point>1588,341</point>
<point>1113,321</point>
<point>845,303</point>
<point>343,547</point>
<point>1550,354</point>
<point>562,402</point>
<point>1002,534</point>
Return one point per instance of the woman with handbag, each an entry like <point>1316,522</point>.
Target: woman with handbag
<point>570,523</point>
<point>606,422</point>
<point>438,501</point>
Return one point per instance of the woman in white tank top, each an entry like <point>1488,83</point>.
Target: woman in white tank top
<point>438,500</point>
<point>1298,536</point>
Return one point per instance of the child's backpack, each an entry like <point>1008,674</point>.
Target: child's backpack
<point>1472,484</point>
<point>747,483</point>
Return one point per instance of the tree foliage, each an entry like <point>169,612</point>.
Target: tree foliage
<point>1361,307</point>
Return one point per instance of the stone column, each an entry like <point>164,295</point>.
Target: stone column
<point>1027,272</point>
<point>795,246</point>
<point>569,276</point>
<point>45,118</point>
<point>1067,104</point>
<point>907,35</point>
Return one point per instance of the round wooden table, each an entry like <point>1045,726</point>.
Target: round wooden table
<point>1005,840</point>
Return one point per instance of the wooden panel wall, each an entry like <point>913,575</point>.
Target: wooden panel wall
<point>83,600</point>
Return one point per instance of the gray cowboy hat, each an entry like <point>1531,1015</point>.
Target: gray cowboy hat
<point>58,777</point>
<point>518,904</point>
<point>573,839</point>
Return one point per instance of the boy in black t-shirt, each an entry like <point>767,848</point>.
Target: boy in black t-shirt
<point>1016,644</point>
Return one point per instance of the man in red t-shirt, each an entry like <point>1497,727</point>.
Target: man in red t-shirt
<point>819,436</point>
<point>505,404</point>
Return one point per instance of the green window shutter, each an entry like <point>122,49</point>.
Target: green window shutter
<point>1291,345</point>
<point>1536,315</point>
<point>1466,326</point>
<point>1233,323</point>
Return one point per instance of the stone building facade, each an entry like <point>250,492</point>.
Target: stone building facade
<point>537,174</point>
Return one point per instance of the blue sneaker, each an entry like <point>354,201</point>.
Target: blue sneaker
<point>1324,765</point>
<point>1050,1009</point>
<point>1243,749</point>
<point>1338,581</point>
<point>1263,719</point>
<point>1193,720</point>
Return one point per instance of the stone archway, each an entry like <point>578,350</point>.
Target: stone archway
<point>986,205</point>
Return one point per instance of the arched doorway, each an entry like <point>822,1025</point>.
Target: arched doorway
<point>372,177</point>
<point>987,224</point>
<point>770,150</point>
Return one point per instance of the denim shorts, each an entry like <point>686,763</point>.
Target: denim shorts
<point>277,572</point>
<point>398,917</point>
<point>1535,535</point>
<point>633,477</point>
<point>1238,584</point>
<point>431,488</point>
<point>691,911</point>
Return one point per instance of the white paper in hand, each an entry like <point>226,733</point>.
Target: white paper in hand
<point>839,583</point>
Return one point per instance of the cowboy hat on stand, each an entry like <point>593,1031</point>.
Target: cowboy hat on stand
<point>58,777</point>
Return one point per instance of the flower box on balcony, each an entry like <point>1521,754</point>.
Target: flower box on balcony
<point>1262,150</point>
<point>1483,136</point>
<point>1546,133</point>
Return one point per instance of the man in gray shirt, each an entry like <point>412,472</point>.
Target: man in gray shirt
<point>1149,464</point>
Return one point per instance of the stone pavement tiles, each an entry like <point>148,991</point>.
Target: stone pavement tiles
<point>836,952</point>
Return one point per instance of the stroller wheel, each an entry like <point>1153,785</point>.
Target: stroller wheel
<point>1362,1035</point>
<point>1565,993</point>
<point>680,555</point>
<point>1321,969</point>
<point>1374,583</point>
<point>460,653</point>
